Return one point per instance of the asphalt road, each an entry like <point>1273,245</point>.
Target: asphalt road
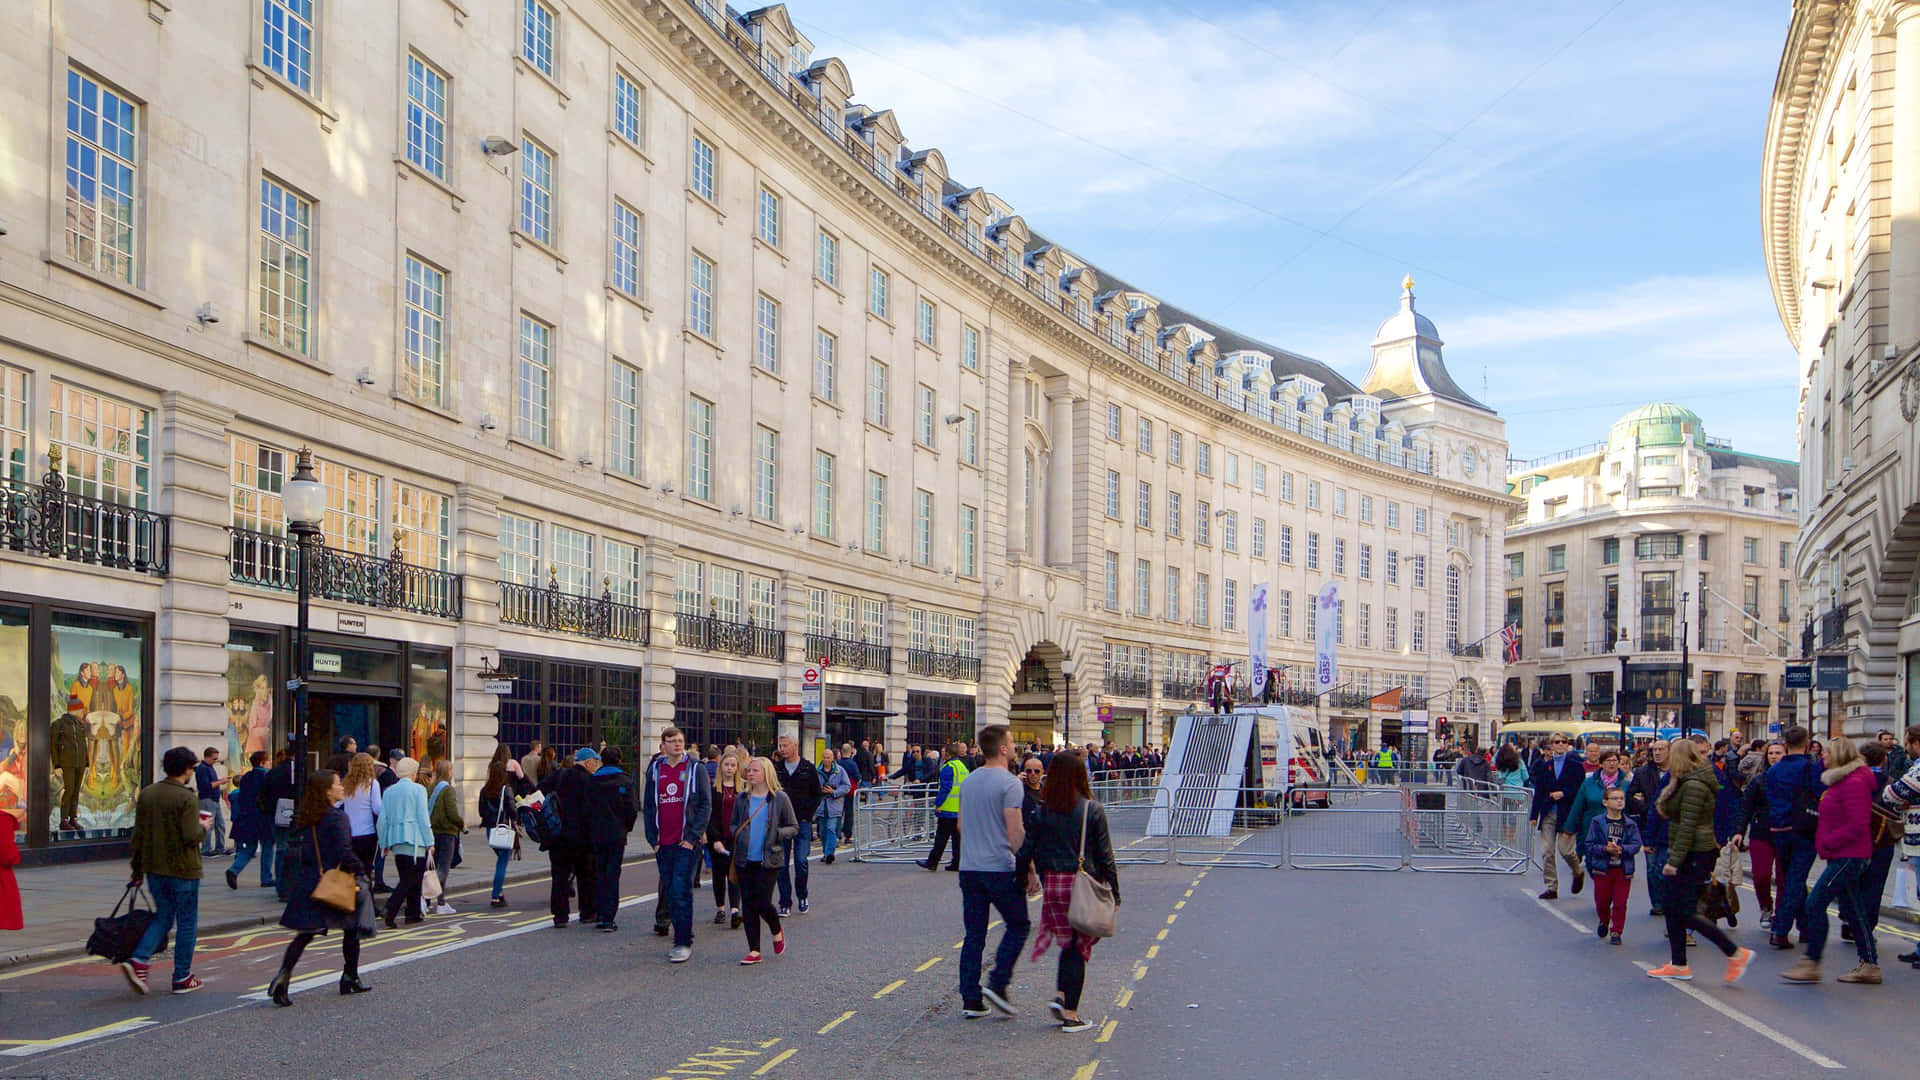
<point>1221,972</point>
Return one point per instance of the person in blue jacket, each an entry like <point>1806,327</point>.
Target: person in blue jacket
<point>1611,843</point>
<point>1557,777</point>
<point>1793,799</point>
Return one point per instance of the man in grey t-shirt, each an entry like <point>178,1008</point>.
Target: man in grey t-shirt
<point>992,830</point>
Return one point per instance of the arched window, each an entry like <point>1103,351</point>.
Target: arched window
<point>1466,697</point>
<point>1453,607</point>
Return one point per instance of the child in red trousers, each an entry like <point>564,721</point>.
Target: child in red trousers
<point>1610,846</point>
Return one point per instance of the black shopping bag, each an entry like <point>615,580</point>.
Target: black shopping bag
<point>116,935</point>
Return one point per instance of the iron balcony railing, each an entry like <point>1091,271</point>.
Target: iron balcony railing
<point>1752,699</point>
<point>1660,643</point>
<point>1128,684</point>
<point>710,633</point>
<point>1183,689</point>
<point>943,665</point>
<point>571,613</point>
<point>1601,646</point>
<point>1715,696</point>
<point>1355,699</point>
<point>351,577</point>
<point>1552,699</point>
<point>1597,698</point>
<point>1833,627</point>
<point>847,653</point>
<point>46,519</point>
<point>1475,651</point>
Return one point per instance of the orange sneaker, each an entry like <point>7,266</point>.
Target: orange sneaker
<point>1671,971</point>
<point>1737,965</point>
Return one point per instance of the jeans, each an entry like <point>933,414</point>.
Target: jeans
<point>243,853</point>
<point>406,894</point>
<point>1683,908</point>
<point>793,874</point>
<point>1657,883</point>
<point>275,859</point>
<point>1793,861</point>
<point>606,882</point>
<point>443,844</point>
<point>216,838</point>
<point>829,835</point>
<point>676,889</point>
<point>176,905</point>
<point>1760,851</point>
<point>756,895</point>
<point>1873,887</point>
<point>982,891</point>
<point>1839,881</point>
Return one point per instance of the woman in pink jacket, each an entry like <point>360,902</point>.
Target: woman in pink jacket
<point>1845,840</point>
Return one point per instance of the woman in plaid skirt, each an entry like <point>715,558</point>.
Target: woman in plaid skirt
<point>1053,850</point>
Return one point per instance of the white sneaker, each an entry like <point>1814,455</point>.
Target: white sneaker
<point>680,954</point>
<point>445,909</point>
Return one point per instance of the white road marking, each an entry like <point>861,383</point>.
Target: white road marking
<point>1706,999</point>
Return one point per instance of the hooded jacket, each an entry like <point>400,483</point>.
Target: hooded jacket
<point>613,805</point>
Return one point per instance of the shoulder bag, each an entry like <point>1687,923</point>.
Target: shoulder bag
<point>337,889</point>
<point>500,837</point>
<point>1090,908</point>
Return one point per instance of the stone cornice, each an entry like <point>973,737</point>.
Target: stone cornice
<point>748,90</point>
<point>1784,159</point>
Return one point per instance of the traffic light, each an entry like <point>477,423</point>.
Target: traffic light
<point>1583,713</point>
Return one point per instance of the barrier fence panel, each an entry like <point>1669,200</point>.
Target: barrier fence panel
<point>892,827</point>
<point>1127,822</point>
<point>1359,830</point>
<point>1455,830</point>
<point>1251,834</point>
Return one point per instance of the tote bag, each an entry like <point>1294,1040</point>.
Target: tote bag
<point>500,837</point>
<point>1090,908</point>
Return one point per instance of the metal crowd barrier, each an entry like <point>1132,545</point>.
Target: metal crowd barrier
<point>896,824</point>
<point>1371,827</point>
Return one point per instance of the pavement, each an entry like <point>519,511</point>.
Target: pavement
<point>1216,972</point>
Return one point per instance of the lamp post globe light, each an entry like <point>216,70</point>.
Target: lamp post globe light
<point>305,500</point>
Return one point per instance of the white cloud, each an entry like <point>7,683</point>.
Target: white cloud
<point>1637,307</point>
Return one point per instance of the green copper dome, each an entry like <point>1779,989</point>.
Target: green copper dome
<point>1659,424</point>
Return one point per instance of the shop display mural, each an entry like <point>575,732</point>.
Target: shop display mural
<point>429,689</point>
<point>249,704</point>
<point>95,746</point>
<point>14,681</point>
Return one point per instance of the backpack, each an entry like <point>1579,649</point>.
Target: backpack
<point>543,825</point>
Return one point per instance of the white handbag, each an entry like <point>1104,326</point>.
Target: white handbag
<point>1090,908</point>
<point>500,837</point>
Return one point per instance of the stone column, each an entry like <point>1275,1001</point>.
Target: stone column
<point>793,619</point>
<point>1059,529</point>
<point>191,632</point>
<point>476,714</point>
<point>1016,457</point>
<point>1082,721</point>
<point>1903,294</point>
<point>656,678</point>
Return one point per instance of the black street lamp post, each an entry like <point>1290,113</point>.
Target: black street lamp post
<point>305,500</point>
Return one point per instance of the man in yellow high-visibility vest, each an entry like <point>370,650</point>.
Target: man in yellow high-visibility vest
<point>1383,764</point>
<point>946,808</point>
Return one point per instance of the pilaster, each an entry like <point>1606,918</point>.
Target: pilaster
<point>656,677</point>
<point>476,544</point>
<point>191,633</point>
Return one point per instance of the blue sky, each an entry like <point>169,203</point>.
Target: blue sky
<point>1574,186</point>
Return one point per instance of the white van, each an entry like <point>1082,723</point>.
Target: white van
<point>1309,774</point>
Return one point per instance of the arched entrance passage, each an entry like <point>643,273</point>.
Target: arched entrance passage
<point>1039,687</point>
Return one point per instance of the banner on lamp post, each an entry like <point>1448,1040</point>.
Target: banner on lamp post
<point>1326,659</point>
<point>1257,642</point>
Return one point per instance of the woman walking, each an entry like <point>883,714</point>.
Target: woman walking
<point>406,833</point>
<point>763,822</point>
<point>1845,839</point>
<point>319,840</point>
<point>363,807</point>
<point>1070,832</point>
<point>505,780</point>
<point>1687,802</point>
<point>447,826</point>
<point>726,789</point>
<point>1751,834</point>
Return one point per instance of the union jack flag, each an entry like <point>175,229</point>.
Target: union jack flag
<point>1510,643</point>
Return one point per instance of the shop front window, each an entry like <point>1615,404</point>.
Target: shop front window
<point>429,693</point>
<point>15,681</point>
<point>97,674</point>
<point>251,702</point>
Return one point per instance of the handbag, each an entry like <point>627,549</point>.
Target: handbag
<point>337,889</point>
<point>115,935</point>
<point>501,836</point>
<point>1090,907</point>
<point>363,916</point>
<point>429,879</point>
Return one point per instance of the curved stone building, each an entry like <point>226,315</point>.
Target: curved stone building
<point>645,370</point>
<point>1840,226</point>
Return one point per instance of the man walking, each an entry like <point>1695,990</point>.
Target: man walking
<point>1556,780</point>
<point>801,781</point>
<point>1643,794</point>
<point>990,802</point>
<point>168,826</point>
<point>277,802</point>
<point>1793,800</point>
<point>612,805</point>
<point>570,854</point>
<point>946,808</point>
<point>677,800</point>
<point>211,787</point>
<point>835,788</point>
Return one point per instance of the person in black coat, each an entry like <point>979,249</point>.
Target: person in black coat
<point>801,783</point>
<point>1556,782</point>
<point>278,787</point>
<point>613,805</point>
<point>321,841</point>
<point>569,856</point>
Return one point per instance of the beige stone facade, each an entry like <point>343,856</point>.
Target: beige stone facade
<point>1628,548</point>
<point>1840,224</point>
<point>643,367</point>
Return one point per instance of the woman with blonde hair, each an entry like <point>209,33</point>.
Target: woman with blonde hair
<point>363,806</point>
<point>727,785</point>
<point>763,821</point>
<point>1687,802</point>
